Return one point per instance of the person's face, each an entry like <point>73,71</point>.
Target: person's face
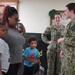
<point>33,44</point>
<point>13,20</point>
<point>67,13</point>
<point>57,18</point>
<point>3,32</point>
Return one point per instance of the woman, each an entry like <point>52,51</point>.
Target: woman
<point>68,53</point>
<point>53,58</point>
<point>14,39</point>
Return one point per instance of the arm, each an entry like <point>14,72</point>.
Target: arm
<point>2,48</point>
<point>45,35</point>
<point>39,61</point>
<point>70,35</point>
<point>61,39</point>
<point>23,30</point>
<point>31,59</point>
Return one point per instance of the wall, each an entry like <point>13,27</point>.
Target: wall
<point>34,13</point>
<point>8,0</point>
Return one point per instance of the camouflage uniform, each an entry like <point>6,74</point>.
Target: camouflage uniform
<point>53,50</point>
<point>68,63</point>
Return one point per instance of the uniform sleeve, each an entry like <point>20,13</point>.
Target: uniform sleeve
<point>62,34</point>
<point>70,36</point>
<point>46,35</point>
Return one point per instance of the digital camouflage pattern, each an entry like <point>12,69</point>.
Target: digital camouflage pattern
<point>68,61</point>
<point>53,50</point>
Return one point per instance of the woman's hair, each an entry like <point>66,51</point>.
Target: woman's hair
<point>71,6</point>
<point>32,38</point>
<point>8,12</point>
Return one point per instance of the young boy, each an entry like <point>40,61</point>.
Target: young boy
<point>31,56</point>
<point>4,50</point>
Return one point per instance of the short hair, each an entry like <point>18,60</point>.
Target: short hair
<point>8,12</point>
<point>58,14</point>
<point>71,6</point>
<point>1,24</point>
<point>32,38</point>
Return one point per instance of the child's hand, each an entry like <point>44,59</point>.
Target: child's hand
<point>39,63</point>
<point>36,61</point>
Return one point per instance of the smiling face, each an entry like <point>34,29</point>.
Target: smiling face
<point>57,18</point>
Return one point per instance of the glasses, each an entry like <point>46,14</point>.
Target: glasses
<point>16,19</point>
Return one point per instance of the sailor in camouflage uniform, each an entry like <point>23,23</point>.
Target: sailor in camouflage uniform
<point>68,63</point>
<point>53,58</point>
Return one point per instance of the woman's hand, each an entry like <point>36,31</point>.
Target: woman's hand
<point>60,40</point>
<point>50,42</point>
<point>61,54</point>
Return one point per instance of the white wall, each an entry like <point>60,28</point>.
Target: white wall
<point>34,13</point>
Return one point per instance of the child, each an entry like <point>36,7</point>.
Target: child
<point>4,50</point>
<point>31,56</point>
